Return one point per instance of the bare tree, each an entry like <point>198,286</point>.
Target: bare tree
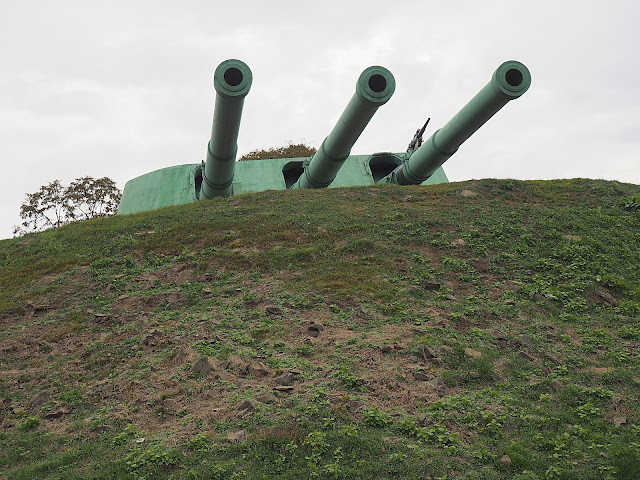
<point>54,205</point>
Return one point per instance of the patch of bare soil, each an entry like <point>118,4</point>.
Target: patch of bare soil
<point>123,367</point>
<point>137,362</point>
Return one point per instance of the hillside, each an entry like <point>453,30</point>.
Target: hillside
<point>478,330</point>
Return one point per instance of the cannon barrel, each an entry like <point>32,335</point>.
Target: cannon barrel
<point>509,81</point>
<point>232,81</point>
<point>374,88</point>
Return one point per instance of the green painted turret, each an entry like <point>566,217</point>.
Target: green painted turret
<point>374,88</point>
<point>508,82</point>
<point>332,166</point>
<point>232,81</point>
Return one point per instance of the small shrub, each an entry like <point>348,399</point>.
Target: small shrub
<point>632,203</point>
<point>630,331</point>
<point>407,426</point>
<point>349,430</point>
<point>200,443</point>
<point>217,471</point>
<point>303,350</point>
<point>317,441</point>
<point>438,435</point>
<point>298,150</point>
<point>484,367</point>
<point>615,282</point>
<point>30,423</point>
<point>347,378</point>
<point>140,460</point>
<point>130,431</point>
<point>102,263</point>
<point>483,455</point>
<point>376,418</point>
<point>73,397</point>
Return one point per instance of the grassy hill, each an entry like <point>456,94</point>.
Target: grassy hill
<point>478,330</point>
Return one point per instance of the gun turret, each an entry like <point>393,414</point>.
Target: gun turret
<point>232,81</point>
<point>374,88</point>
<point>222,176</point>
<point>509,81</point>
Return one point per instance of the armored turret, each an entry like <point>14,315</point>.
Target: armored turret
<point>332,165</point>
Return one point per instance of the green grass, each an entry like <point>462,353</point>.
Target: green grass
<point>528,294</point>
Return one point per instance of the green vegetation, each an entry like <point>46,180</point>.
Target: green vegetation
<point>55,205</point>
<point>380,332</point>
<point>297,150</point>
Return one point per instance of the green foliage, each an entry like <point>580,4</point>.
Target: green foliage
<point>297,150</point>
<point>29,423</point>
<point>317,441</point>
<point>407,425</point>
<point>145,463</point>
<point>124,437</point>
<point>72,397</point>
<point>92,198</point>
<point>200,443</point>
<point>376,418</point>
<point>55,205</point>
<point>630,331</point>
<point>343,374</point>
<point>192,292</point>
<point>303,350</point>
<point>632,203</point>
<point>102,263</point>
<point>438,435</point>
<point>48,207</point>
<point>213,349</point>
<point>613,281</point>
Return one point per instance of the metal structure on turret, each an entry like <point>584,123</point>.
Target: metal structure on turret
<point>332,165</point>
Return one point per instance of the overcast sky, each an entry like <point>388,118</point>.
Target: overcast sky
<point>121,88</point>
